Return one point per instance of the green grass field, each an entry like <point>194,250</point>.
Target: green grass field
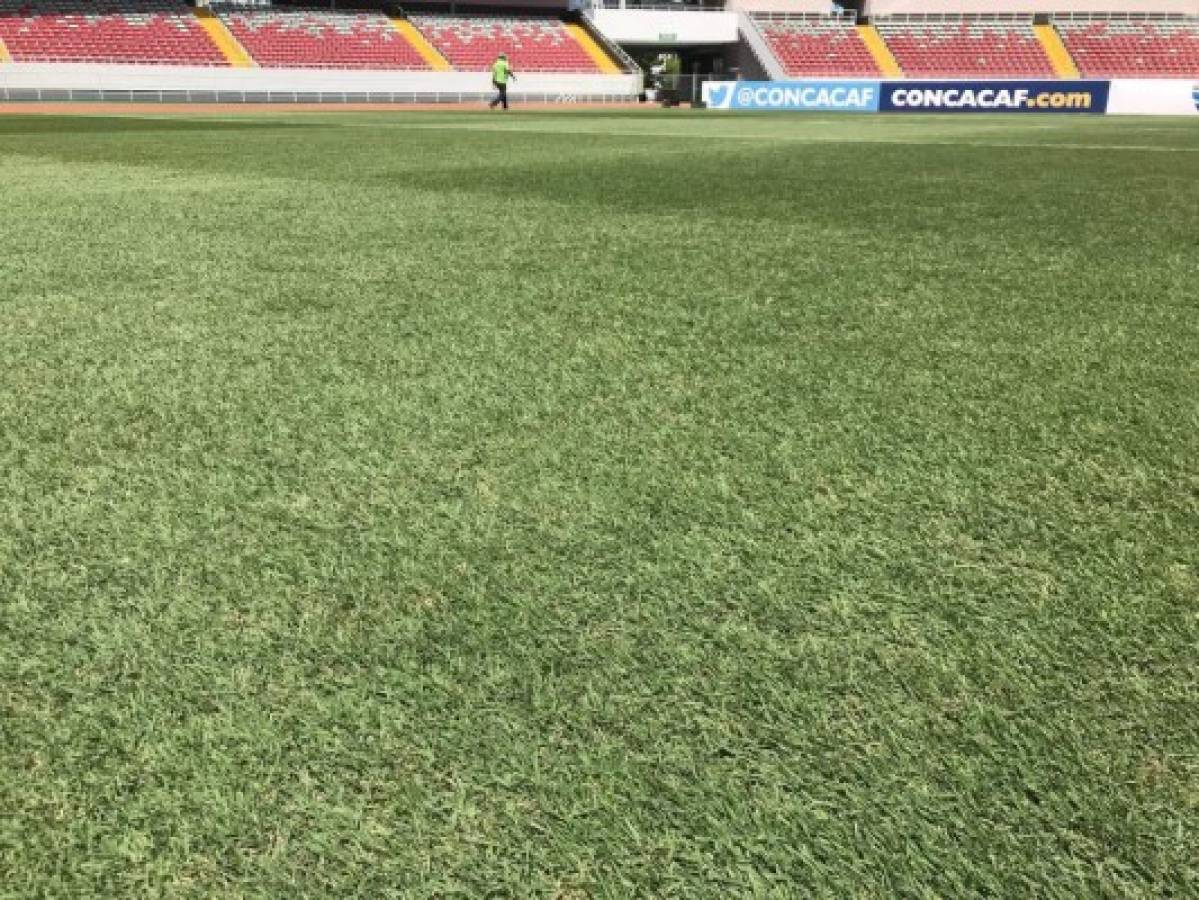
<point>599,505</point>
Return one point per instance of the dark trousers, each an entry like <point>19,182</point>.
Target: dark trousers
<point>501,95</point>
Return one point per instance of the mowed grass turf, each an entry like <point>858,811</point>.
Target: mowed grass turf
<point>598,505</point>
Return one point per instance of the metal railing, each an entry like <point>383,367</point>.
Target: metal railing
<point>332,98</point>
<point>660,6</point>
<point>759,47</point>
<point>614,49</point>
<point>677,90</point>
<point>953,19</point>
<point>1180,18</point>
<point>844,18</point>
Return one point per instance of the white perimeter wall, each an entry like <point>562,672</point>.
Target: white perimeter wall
<point>1153,98</point>
<point>885,7</point>
<point>73,77</point>
<point>663,28</point>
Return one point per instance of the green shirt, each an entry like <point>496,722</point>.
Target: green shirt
<point>500,70</point>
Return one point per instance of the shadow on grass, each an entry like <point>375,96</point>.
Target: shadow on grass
<point>20,124</point>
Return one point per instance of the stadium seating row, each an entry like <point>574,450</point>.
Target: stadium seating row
<point>980,46</point>
<point>320,39</point>
<point>532,43</point>
<point>168,32</point>
<point>816,46</point>
<point>1132,48</point>
<point>146,31</point>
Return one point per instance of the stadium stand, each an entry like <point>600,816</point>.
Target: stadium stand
<point>1132,46</point>
<point>817,45</point>
<point>960,46</point>
<point>105,31</point>
<point>533,43</point>
<point>309,38</point>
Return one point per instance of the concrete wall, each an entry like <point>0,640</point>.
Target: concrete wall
<point>885,7</point>
<point>666,29</point>
<point>77,77</point>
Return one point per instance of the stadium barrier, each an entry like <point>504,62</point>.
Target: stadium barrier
<point>794,96</point>
<point>1088,97</point>
<point>51,95</point>
<point>1153,97</point>
<point>1037,97</point>
<point>182,84</point>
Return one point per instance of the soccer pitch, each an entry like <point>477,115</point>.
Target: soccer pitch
<point>598,505</point>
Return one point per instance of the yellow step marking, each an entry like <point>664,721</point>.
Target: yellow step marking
<point>883,58</point>
<point>597,53</point>
<point>421,45</point>
<point>1059,56</point>
<point>4,57</point>
<point>234,53</point>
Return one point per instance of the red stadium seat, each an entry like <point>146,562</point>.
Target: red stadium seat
<point>1133,47</point>
<point>105,31</point>
<point>966,46</point>
<point>533,43</point>
<point>816,46</point>
<point>284,37</point>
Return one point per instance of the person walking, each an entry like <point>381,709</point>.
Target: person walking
<point>501,72</point>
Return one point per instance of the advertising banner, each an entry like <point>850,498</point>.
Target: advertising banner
<point>1161,97</point>
<point>794,96</point>
<point>1154,98</point>
<point>994,96</point>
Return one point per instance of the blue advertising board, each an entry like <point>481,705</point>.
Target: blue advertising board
<point>794,96</point>
<point>911,96</point>
<point>994,96</point>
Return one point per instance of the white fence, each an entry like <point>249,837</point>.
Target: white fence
<point>218,84</point>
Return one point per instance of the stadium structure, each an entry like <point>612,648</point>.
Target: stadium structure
<point>270,50</point>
